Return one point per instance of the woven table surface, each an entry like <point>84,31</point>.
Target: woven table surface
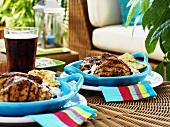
<point>149,112</point>
<point>144,113</point>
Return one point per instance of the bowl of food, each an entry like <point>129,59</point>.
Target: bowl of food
<point>48,64</point>
<point>110,70</point>
<point>27,94</point>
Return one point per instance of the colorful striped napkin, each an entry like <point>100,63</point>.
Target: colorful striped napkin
<point>128,93</point>
<point>69,117</point>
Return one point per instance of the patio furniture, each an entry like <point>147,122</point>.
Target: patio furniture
<point>81,32</point>
<point>2,31</point>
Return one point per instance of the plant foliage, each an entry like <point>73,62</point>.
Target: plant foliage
<point>156,18</point>
<point>17,12</point>
<point>21,13</point>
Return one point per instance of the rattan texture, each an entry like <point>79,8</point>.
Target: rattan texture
<point>3,63</point>
<point>148,112</point>
<point>1,32</point>
<point>143,113</point>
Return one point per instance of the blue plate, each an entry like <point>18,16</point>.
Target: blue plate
<point>93,80</point>
<point>28,108</point>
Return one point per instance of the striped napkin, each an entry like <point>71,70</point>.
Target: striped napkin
<point>128,93</point>
<point>69,117</point>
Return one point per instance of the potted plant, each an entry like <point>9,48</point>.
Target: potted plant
<point>156,18</point>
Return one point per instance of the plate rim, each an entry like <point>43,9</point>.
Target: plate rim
<point>24,120</point>
<point>96,88</point>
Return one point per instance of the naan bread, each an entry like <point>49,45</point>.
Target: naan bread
<point>131,61</point>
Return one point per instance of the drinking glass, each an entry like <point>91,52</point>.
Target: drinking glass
<point>21,46</point>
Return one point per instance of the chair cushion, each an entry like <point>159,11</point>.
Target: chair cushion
<point>104,12</point>
<point>125,11</point>
<point>117,38</point>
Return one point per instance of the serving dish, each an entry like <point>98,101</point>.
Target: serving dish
<point>28,108</point>
<point>58,64</point>
<point>25,121</point>
<point>153,78</point>
<point>93,80</point>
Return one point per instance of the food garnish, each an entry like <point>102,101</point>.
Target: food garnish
<point>44,62</point>
<point>131,61</point>
<point>48,77</point>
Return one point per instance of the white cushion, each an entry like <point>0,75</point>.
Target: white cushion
<point>104,12</point>
<point>117,38</point>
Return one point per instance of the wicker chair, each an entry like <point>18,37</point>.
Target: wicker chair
<point>1,31</point>
<point>80,31</point>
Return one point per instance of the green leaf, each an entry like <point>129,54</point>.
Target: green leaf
<point>18,12</point>
<point>168,55</point>
<point>132,11</point>
<point>144,4</point>
<point>150,46</point>
<point>166,44</point>
<point>162,46</point>
<point>168,71</point>
<point>135,23</point>
<point>131,2</point>
<point>6,4</point>
<point>161,30</point>
<point>155,12</point>
<point>160,69</point>
<point>166,40</point>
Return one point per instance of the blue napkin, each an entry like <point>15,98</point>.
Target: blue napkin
<point>128,93</point>
<point>68,117</point>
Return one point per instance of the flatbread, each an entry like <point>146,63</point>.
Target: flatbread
<point>131,61</point>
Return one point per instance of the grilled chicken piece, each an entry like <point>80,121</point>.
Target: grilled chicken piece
<point>112,66</point>
<point>4,77</point>
<point>106,55</point>
<point>88,62</point>
<point>23,89</point>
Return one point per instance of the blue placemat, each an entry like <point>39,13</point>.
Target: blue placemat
<point>128,93</point>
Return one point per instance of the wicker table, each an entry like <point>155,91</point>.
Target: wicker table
<point>145,113</point>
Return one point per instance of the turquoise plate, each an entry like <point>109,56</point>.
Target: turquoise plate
<point>90,79</point>
<point>37,107</point>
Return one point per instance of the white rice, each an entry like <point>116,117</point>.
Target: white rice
<point>92,69</point>
<point>44,62</point>
<point>134,71</point>
<point>54,90</point>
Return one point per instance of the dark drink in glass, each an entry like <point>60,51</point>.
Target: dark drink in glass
<point>21,45</point>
